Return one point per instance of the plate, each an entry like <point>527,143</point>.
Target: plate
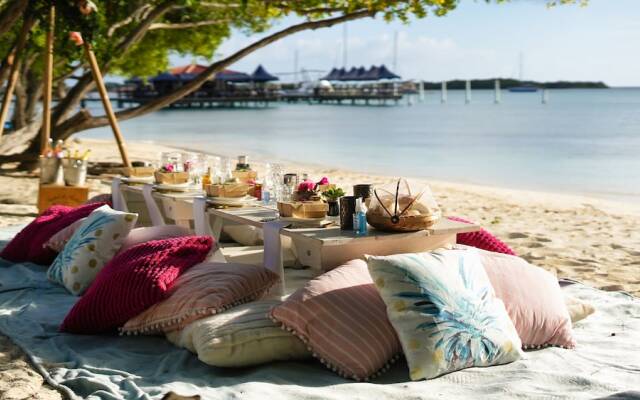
<point>137,179</point>
<point>307,222</point>
<point>232,201</point>
<point>182,187</point>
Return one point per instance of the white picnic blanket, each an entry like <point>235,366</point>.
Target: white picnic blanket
<point>606,361</point>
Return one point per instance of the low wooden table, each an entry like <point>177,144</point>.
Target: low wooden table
<point>327,248</point>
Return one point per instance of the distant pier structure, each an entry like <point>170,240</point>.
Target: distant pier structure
<point>227,88</point>
<point>356,86</point>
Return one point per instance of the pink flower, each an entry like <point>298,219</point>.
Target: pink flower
<point>306,186</point>
<point>76,37</point>
<point>324,181</point>
<point>168,168</point>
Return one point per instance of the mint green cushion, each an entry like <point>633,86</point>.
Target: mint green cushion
<point>92,245</point>
<point>444,309</point>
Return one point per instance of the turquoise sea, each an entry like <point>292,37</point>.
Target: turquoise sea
<point>582,141</point>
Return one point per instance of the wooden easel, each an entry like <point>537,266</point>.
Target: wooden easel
<point>70,195</point>
<point>97,77</point>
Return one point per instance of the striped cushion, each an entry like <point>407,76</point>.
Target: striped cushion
<point>205,289</point>
<point>342,318</point>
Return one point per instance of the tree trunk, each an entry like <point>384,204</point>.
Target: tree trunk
<point>34,94</point>
<point>19,118</point>
<point>11,13</point>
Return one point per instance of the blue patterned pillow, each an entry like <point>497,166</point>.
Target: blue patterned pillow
<point>445,312</point>
<point>92,245</point>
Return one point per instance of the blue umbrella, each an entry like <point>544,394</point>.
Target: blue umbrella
<point>261,75</point>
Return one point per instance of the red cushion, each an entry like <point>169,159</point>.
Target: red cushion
<point>28,244</point>
<point>134,281</point>
<point>482,239</point>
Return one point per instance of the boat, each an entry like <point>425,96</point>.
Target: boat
<point>524,89</point>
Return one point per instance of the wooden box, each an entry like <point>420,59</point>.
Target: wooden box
<point>138,171</point>
<point>299,209</point>
<point>245,176</point>
<point>171,178</point>
<point>227,190</point>
<point>50,195</point>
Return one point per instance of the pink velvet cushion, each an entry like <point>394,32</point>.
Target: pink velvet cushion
<point>532,298</point>
<point>482,239</point>
<point>206,289</point>
<point>142,235</point>
<point>134,281</point>
<point>28,244</point>
<point>60,239</point>
<point>104,198</point>
<point>342,318</point>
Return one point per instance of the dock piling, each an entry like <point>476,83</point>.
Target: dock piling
<point>467,98</point>
<point>443,96</point>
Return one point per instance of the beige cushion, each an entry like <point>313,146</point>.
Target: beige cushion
<point>578,310</point>
<point>240,337</point>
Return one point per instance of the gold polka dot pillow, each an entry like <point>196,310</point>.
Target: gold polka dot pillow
<point>444,309</point>
<point>92,245</point>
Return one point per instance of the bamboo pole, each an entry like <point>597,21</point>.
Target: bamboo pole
<point>48,82</point>
<point>97,77</point>
<point>14,61</point>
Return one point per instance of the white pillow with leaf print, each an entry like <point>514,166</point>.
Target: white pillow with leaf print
<point>92,245</point>
<point>445,312</point>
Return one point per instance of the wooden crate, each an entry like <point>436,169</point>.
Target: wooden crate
<point>50,195</point>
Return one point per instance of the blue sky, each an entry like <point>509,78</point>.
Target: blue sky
<point>478,40</point>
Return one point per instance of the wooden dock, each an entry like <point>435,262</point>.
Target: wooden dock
<point>206,102</point>
<point>262,100</point>
<point>343,98</point>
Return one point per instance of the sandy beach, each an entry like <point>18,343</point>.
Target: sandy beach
<point>586,239</point>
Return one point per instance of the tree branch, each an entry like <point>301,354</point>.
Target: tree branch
<point>84,120</point>
<point>85,83</point>
<point>10,15</point>
<point>186,25</point>
<point>138,14</point>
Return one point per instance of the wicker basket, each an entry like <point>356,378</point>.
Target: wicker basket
<point>171,178</point>
<point>403,206</point>
<point>409,223</point>
<point>227,190</point>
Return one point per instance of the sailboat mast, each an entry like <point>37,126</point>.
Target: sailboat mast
<point>344,45</point>
<point>521,67</point>
<point>395,51</point>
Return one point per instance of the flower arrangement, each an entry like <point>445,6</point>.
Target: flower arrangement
<point>308,190</point>
<point>168,168</point>
<point>188,166</point>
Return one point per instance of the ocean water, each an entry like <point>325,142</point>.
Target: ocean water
<point>582,141</point>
